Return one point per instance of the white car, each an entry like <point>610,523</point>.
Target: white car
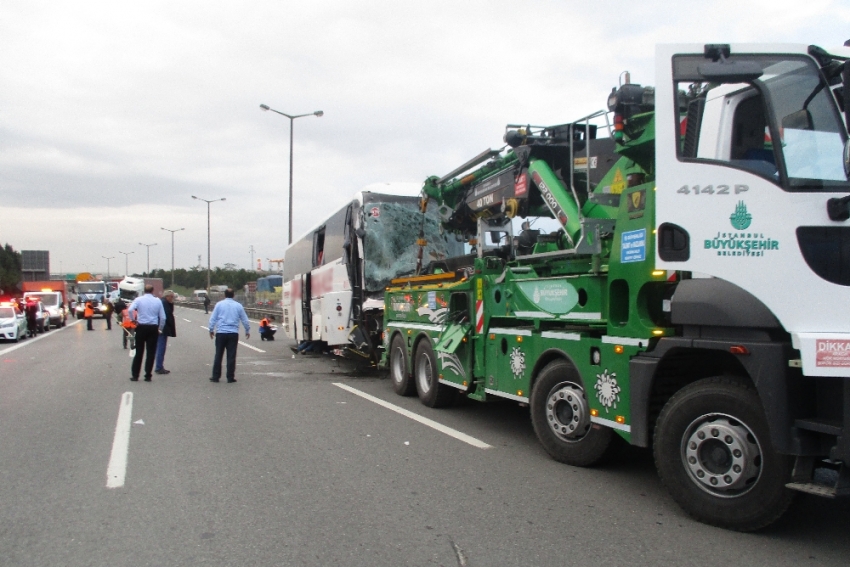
<point>52,301</point>
<point>13,323</point>
<point>42,316</point>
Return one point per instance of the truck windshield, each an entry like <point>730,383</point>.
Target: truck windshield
<point>389,245</point>
<point>90,287</point>
<point>48,299</point>
<point>787,116</point>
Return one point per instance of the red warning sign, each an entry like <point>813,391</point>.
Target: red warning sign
<point>521,186</point>
<point>832,353</point>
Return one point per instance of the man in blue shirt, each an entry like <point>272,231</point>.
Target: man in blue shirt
<point>148,312</point>
<point>224,327</point>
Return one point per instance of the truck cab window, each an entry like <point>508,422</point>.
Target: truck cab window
<point>783,126</point>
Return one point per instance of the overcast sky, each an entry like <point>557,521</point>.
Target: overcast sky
<point>112,117</point>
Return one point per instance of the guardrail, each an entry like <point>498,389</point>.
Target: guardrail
<point>253,312</point>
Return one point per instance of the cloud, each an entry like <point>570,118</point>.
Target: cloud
<point>113,115</point>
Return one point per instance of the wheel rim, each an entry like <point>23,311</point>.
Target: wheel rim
<point>722,455</point>
<point>424,373</point>
<point>567,412</point>
<point>398,369</point>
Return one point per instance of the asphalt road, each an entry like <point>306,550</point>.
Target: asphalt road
<point>286,467</point>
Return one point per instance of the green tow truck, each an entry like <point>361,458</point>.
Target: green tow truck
<point>683,295</point>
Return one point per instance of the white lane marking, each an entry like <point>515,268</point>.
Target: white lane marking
<point>117,468</point>
<point>243,343</point>
<point>29,341</point>
<point>188,321</point>
<point>415,417</point>
<point>206,328</point>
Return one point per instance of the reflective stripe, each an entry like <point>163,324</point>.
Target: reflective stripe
<point>582,316</point>
<point>612,424</point>
<point>417,326</point>
<point>534,314</point>
<point>611,340</point>
<point>501,331</point>
<point>557,335</point>
<point>506,395</point>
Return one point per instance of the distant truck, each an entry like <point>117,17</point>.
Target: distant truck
<point>54,295</point>
<point>130,288</point>
<point>94,291</point>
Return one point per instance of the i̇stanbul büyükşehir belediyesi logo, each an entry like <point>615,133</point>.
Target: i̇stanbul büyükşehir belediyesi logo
<point>741,219</point>
<point>741,244</point>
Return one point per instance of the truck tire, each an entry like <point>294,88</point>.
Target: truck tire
<point>403,383</point>
<point>713,453</point>
<point>560,415</point>
<point>431,392</point>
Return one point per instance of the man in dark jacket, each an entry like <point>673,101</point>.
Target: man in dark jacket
<point>169,330</point>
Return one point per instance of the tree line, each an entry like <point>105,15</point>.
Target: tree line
<point>196,276</point>
<point>10,269</point>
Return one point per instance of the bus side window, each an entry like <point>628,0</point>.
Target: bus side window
<point>318,247</point>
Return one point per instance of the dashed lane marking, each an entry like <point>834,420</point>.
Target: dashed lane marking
<point>117,468</point>
<point>460,436</point>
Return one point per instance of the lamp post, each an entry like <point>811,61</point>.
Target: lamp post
<point>172,251</point>
<point>292,118</point>
<point>149,255</point>
<point>107,258</point>
<point>208,234</point>
<point>126,256</point>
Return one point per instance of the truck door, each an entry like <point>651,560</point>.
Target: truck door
<point>749,149</point>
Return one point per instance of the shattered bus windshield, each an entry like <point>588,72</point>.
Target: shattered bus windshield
<point>390,248</point>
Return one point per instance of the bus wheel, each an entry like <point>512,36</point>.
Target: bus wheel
<point>714,455</point>
<point>431,392</point>
<point>560,415</point>
<point>403,383</point>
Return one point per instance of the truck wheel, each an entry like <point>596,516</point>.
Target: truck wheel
<point>403,383</point>
<point>560,415</point>
<point>714,455</point>
<point>431,392</point>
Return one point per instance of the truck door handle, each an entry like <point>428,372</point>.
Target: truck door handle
<point>837,209</point>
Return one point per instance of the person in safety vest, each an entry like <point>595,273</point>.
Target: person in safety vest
<point>88,313</point>
<point>267,331</point>
<point>128,324</point>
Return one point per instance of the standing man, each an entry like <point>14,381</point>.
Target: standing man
<point>107,313</point>
<point>148,312</point>
<point>88,313</point>
<point>206,304</point>
<point>170,330</point>
<point>224,327</point>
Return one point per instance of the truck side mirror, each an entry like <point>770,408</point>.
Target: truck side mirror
<point>800,120</point>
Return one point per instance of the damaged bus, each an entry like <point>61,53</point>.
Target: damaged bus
<point>335,275</point>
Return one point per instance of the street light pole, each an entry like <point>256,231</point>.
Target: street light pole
<point>172,251</point>
<point>126,264</point>
<point>107,258</point>
<point>292,118</point>
<point>208,234</point>
<point>149,255</point>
